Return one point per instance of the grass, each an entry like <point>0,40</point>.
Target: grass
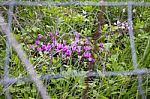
<point>29,21</point>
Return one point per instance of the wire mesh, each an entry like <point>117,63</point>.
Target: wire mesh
<point>6,81</point>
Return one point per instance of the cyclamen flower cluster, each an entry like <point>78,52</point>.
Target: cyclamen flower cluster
<point>78,47</point>
<point>122,25</point>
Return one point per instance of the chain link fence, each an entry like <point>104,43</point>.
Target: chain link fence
<point>10,41</point>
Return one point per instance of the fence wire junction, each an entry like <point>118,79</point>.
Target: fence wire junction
<point>6,81</point>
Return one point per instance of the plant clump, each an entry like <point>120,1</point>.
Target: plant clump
<point>78,48</point>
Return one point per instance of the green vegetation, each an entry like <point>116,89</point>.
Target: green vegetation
<point>29,21</point>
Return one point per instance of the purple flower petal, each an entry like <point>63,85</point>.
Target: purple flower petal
<point>44,47</point>
<point>59,46</point>
<point>63,56</point>
<point>37,42</point>
<point>90,59</point>
<point>78,49</point>
<point>101,45</point>
<point>48,46</point>
<point>76,36</point>
<point>87,54</point>
<point>51,34</point>
<point>87,48</point>
<point>87,41</point>
<point>68,52</point>
<point>65,48</point>
<point>39,49</point>
<point>73,47</point>
<point>39,36</point>
<point>32,47</point>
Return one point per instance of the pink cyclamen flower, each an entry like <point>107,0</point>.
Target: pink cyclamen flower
<point>65,48</point>
<point>76,36</point>
<point>87,54</point>
<point>101,45</point>
<point>32,47</point>
<point>39,49</point>
<point>53,40</point>
<point>78,49</point>
<point>51,34</point>
<point>87,41</point>
<point>48,46</point>
<point>68,52</point>
<point>63,55</point>
<point>59,46</point>
<point>73,46</point>
<point>37,42</point>
<point>44,47</point>
<point>39,36</point>
<point>90,59</point>
<point>87,48</point>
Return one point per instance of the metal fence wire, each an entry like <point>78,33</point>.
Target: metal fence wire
<point>10,41</point>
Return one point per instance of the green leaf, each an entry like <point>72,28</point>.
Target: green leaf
<point>147,50</point>
<point>54,60</point>
<point>103,97</point>
<point>108,45</point>
<point>33,90</point>
<point>35,29</point>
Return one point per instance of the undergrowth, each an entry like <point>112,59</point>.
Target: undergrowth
<point>29,22</point>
